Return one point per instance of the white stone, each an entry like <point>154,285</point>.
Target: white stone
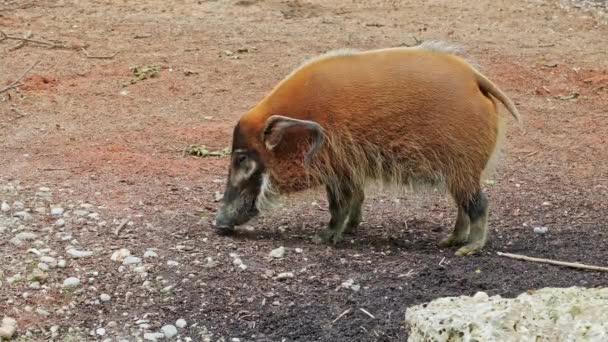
<point>555,314</point>
<point>210,263</point>
<point>153,336</point>
<point>120,255</point>
<point>42,266</point>
<point>150,254</point>
<point>57,211</point>
<point>44,189</point>
<point>5,207</point>
<point>81,212</point>
<point>60,222</point>
<point>25,216</point>
<point>42,312</point>
<point>93,216</point>
<point>8,328</point>
<point>169,330</point>
<point>278,252</point>
<point>131,260</point>
<point>299,250</point>
<point>61,263</point>
<point>181,323</point>
<point>100,331</point>
<point>26,236</point>
<point>48,260</point>
<point>104,297</point>
<point>284,275</point>
<point>71,282</point>
<point>78,254</point>
<point>172,263</point>
<point>540,230</point>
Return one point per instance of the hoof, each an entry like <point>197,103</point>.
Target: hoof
<point>331,236</point>
<point>451,241</point>
<point>225,231</point>
<point>470,249</point>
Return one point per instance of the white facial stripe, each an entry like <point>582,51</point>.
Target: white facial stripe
<point>267,198</point>
<point>244,174</point>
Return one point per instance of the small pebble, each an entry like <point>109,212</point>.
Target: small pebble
<point>81,212</point>
<point>5,207</point>
<point>172,263</point>
<point>181,323</point>
<point>153,336</point>
<point>169,330</point>
<point>60,222</point>
<point>284,275</point>
<point>71,282</point>
<point>540,230</point>
<point>26,236</point>
<point>61,263</point>
<point>79,254</point>
<point>278,252</point>
<point>104,297</point>
<point>100,331</point>
<point>120,254</point>
<point>57,211</point>
<point>150,254</point>
<point>131,260</point>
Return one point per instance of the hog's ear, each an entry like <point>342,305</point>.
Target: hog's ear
<point>275,129</point>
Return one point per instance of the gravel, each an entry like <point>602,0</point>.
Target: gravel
<point>131,260</point>
<point>153,336</point>
<point>26,236</point>
<point>57,211</point>
<point>150,254</point>
<point>71,282</point>
<point>79,254</point>
<point>104,297</point>
<point>277,252</point>
<point>120,255</point>
<point>169,330</point>
<point>181,323</point>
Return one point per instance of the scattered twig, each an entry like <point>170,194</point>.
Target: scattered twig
<point>18,46</point>
<point>122,224</point>
<point>367,313</point>
<point>87,55</point>
<point>51,45</point>
<point>18,112</point>
<point>554,262</point>
<point>341,315</point>
<point>16,82</point>
<point>442,260</point>
<point>4,36</point>
<point>409,273</point>
<point>53,169</point>
<point>142,36</point>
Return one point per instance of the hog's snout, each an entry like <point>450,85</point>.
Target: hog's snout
<point>223,224</point>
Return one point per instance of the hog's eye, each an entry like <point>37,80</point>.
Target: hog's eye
<point>240,158</point>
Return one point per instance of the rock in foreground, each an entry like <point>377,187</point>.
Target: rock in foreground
<point>549,314</point>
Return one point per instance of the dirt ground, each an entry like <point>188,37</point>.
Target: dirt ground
<point>78,134</point>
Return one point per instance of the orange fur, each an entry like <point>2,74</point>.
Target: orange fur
<point>402,115</point>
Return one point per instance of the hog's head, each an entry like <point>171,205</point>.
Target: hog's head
<point>249,186</point>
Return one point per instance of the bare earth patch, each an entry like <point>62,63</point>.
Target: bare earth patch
<point>77,135</point>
